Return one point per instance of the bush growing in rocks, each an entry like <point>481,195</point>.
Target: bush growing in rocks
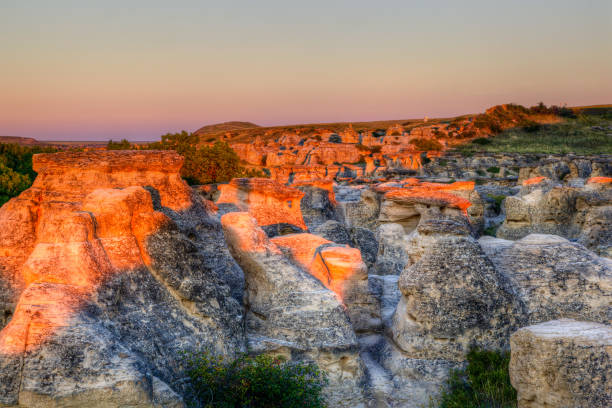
<point>484,383</point>
<point>204,164</point>
<point>16,172</point>
<point>426,144</point>
<point>250,382</point>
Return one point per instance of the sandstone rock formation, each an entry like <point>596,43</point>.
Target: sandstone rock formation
<point>405,205</point>
<point>583,214</point>
<point>452,297</point>
<point>339,268</point>
<point>562,363</point>
<point>290,312</point>
<point>554,278</point>
<point>109,281</point>
<point>111,266</point>
<point>275,207</point>
<point>319,202</point>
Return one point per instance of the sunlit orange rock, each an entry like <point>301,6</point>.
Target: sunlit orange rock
<point>70,176</point>
<point>599,180</point>
<point>267,201</point>
<point>242,232</point>
<point>349,135</point>
<point>290,174</point>
<point>84,219</point>
<point>368,139</point>
<point>533,180</point>
<point>251,153</point>
<point>334,265</point>
<point>327,185</point>
<point>410,181</point>
<point>330,153</point>
<point>395,130</point>
<point>428,197</point>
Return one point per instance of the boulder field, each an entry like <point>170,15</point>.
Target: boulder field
<point>111,267</point>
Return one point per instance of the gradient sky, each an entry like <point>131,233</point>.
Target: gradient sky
<point>70,70</point>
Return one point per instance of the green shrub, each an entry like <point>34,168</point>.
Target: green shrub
<point>497,201</point>
<point>442,162</point>
<point>122,145</point>
<point>424,144</point>
<point>493,169</point>
<point>530,126</point>
<point>11,183</point>
<point>204,164</point>
<point>482,141</point>
<point>16,173</point>
<point>251,382</point>
<point>491,231</point>
<point>484,383</point>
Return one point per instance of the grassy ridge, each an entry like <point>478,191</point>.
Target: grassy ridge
<point>587,134</point>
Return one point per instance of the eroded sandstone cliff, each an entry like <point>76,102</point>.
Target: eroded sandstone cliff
<point>111,266</point>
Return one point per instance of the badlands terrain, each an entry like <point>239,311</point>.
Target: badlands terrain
<point>383,252</point>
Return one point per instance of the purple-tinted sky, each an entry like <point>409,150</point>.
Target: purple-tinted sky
<point>73,70</point>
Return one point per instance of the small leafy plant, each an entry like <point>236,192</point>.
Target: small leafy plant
<point>251,382</point>
<point>484,383</point>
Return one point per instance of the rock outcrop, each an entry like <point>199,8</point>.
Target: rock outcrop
<point>111,267</point>
<point>554,278</point>
<point>108,282</point>
<point>562,363</point>
<point>452,297</point>
<point>319,202</point>
<point>291,313</point>
<point>275,207</point>
<point>579,213</point>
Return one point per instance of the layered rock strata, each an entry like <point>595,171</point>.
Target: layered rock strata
<point>562,363</point>
<point>108,281</point>
<point>291,313</point>
<point>579,213</point>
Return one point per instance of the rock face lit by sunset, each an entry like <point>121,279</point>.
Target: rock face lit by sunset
<point>340,204</point>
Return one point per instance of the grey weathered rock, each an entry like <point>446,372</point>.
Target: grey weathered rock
<point>554,278</point>
<point>359,207</point>
<point>113,282</point>
<point>582,214</point>
<point>289,312</point>
<point>316,206</point>
<point>452,299</point>
<point>392,256</point>
<point>365,240</point>
<point>333,231</point>
<point>562,363</point>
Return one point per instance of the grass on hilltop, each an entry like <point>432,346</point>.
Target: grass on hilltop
<point>570,136</point>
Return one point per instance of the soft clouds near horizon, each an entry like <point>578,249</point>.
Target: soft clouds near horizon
<point>76,70</point>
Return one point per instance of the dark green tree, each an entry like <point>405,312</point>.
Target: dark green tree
<point>122,145</point>
<point>16,173</point>
<point>204,164</point>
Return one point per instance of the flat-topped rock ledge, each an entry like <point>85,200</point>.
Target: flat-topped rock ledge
<point>562,363</point>
<point>70,176</point>
<point>108,161</point>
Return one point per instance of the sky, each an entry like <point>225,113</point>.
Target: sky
<point>113,69</point>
